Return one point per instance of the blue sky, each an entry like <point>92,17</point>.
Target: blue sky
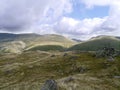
<point>81,19</point>
<point>80,11</point>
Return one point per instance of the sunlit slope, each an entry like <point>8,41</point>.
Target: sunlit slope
<point>12,42</point>
<point>98,43</point>
<point>48,48</point>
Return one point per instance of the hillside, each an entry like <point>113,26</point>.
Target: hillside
<point>19,42</point>
<point>97,43</point>
<point>16,43</point>
<point>72,71</point>
<point>48,48</point>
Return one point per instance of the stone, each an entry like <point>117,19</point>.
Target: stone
<point>110,59</point>
<point>50,85</point>
<point>106,52</point>
<point>117,77</point>
<point>81,69</point>
<point>69,79</point>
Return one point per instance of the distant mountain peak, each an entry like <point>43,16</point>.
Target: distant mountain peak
<point>104,37</point>
<point>77,40</point>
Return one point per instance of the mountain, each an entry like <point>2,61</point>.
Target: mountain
<point>97,43</point>
<point>20,42</point>
<point>16,43</point>
<point>77,40</point>
<point>118,37</point>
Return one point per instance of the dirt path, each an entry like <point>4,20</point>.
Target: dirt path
<point>29,63</point>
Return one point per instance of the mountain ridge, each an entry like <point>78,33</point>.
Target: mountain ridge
<point>97,43</point>
<point>32,40</point>
<point>17,43</point>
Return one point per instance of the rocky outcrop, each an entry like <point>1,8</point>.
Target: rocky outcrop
<point>107,52</point>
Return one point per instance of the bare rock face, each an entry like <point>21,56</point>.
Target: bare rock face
<point>50,85</point>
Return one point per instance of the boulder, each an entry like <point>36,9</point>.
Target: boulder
<point>50,85</point>
<point>107,52</point>
<point>110,59</point>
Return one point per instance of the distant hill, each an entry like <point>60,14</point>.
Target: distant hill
<point>77,40</point>
<point>15,42</point>
<point>118,37</point>
<point>98,43</point>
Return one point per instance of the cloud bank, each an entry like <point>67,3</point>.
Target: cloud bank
<point>49,16</point>
<point>18,15</point>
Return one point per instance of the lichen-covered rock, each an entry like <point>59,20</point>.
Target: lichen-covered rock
<point>110,59</point>
<point>107,52</point>
<point>50,85</point>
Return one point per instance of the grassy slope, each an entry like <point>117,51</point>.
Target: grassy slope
<point>22,71</point>
<point>48,48</point>
<point>31,41</point>
<point>34,39</point>
<point>97,44</point>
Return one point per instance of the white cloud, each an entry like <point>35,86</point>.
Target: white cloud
<point>92,3</point>
<point>77,28</point>
<point>87,27</point>
<point>17,15</point>
<point>110,25</point>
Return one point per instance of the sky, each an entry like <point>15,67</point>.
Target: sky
<point>80,19</point>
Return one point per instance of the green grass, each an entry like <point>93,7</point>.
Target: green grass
<point>48,48</point>
<point>56,67</point>
<point>98,44</point>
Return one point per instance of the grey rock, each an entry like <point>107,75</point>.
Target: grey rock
<point>50,85</point>
<point>107,52</point>
<point>81,69</point>
<point>110,59</point>
<point>69,79</point>
<point>118,77</point>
